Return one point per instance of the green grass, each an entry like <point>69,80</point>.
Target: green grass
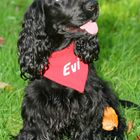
<point>119,33</point>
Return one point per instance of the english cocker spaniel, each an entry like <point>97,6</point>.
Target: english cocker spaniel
<point>65,99</point>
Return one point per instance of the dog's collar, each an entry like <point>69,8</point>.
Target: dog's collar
<point>65,68</point>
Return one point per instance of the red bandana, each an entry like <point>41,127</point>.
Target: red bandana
<point>66,69</point>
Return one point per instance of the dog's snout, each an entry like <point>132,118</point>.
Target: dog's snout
<point>91,5</point>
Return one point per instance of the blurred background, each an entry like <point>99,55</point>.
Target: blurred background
<point>119,61</point>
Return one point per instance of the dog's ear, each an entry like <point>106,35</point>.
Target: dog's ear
<point>34,44</point>
<point>87,48</point>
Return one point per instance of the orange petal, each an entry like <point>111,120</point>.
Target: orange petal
<point>110,119</point>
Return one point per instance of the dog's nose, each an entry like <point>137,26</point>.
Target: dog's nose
<point>91,5</point>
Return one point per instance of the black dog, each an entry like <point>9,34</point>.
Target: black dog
<point>51,110</point>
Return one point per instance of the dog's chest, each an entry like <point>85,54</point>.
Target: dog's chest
<point>66,69</point>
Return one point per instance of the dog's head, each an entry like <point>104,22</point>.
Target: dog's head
<point>69,15</point>
<point>50,25</point>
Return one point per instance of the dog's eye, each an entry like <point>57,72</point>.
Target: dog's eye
<point>56,4</point>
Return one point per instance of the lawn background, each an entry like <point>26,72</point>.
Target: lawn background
<point>119,61</point>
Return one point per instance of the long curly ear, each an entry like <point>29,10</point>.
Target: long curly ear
<point>87,48</point>
<point>34,45</point>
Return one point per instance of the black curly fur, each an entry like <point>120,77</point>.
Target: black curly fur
<point>87,48</point>
<point>51,111</point>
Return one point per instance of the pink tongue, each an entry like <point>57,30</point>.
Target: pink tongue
<point>90,27</point>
